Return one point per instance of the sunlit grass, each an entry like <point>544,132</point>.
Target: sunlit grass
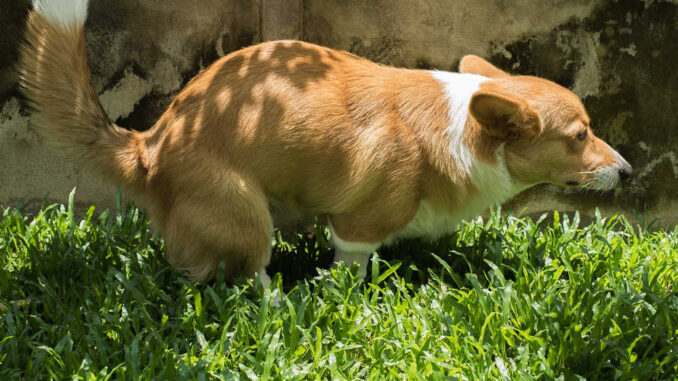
<point>508,298</point>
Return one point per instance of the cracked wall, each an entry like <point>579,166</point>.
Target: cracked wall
<point>619,56</point>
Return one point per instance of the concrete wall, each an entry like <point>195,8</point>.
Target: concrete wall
<point>619,56</point>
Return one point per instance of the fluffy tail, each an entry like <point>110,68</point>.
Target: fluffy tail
<point>56,81</point>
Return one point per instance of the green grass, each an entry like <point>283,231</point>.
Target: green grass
<point>509,298</point>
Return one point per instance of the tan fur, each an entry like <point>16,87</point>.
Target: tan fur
<point>476,65</point>
<point>302,129</point>
<point>56,82</point>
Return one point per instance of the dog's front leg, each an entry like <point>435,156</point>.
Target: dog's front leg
<point>352,252</point>
<point>349,258</point>
<point>266,283</point>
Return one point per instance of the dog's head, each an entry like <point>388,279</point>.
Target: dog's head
<point>545,128</point>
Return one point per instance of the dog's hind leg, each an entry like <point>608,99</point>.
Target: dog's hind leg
<point>233,225</point>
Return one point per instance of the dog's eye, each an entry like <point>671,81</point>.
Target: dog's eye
<point>581,136</point>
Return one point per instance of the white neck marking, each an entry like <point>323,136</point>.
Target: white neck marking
<point>459,88</point>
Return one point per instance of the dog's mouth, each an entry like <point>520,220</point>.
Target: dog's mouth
<point>602,179</point>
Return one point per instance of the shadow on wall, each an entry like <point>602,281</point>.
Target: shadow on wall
<point>12,17</point>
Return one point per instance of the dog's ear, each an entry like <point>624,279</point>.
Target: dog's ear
<point>475,65</point>
<point>504,115</point>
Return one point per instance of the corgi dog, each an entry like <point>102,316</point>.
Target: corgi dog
<point>288,129</point>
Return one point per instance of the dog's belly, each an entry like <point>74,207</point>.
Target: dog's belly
<point>289,216</point>
<point>429,222</point>
<point>433,222</point>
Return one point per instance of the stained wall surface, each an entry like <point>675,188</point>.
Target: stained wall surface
<point>618,56</point>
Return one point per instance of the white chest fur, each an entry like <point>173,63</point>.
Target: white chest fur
<point>494,186</point>
<point>493,182</point>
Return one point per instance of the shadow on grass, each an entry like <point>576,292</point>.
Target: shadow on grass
<point>299,257</point>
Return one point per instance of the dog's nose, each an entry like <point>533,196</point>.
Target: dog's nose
<point>625,171</point>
